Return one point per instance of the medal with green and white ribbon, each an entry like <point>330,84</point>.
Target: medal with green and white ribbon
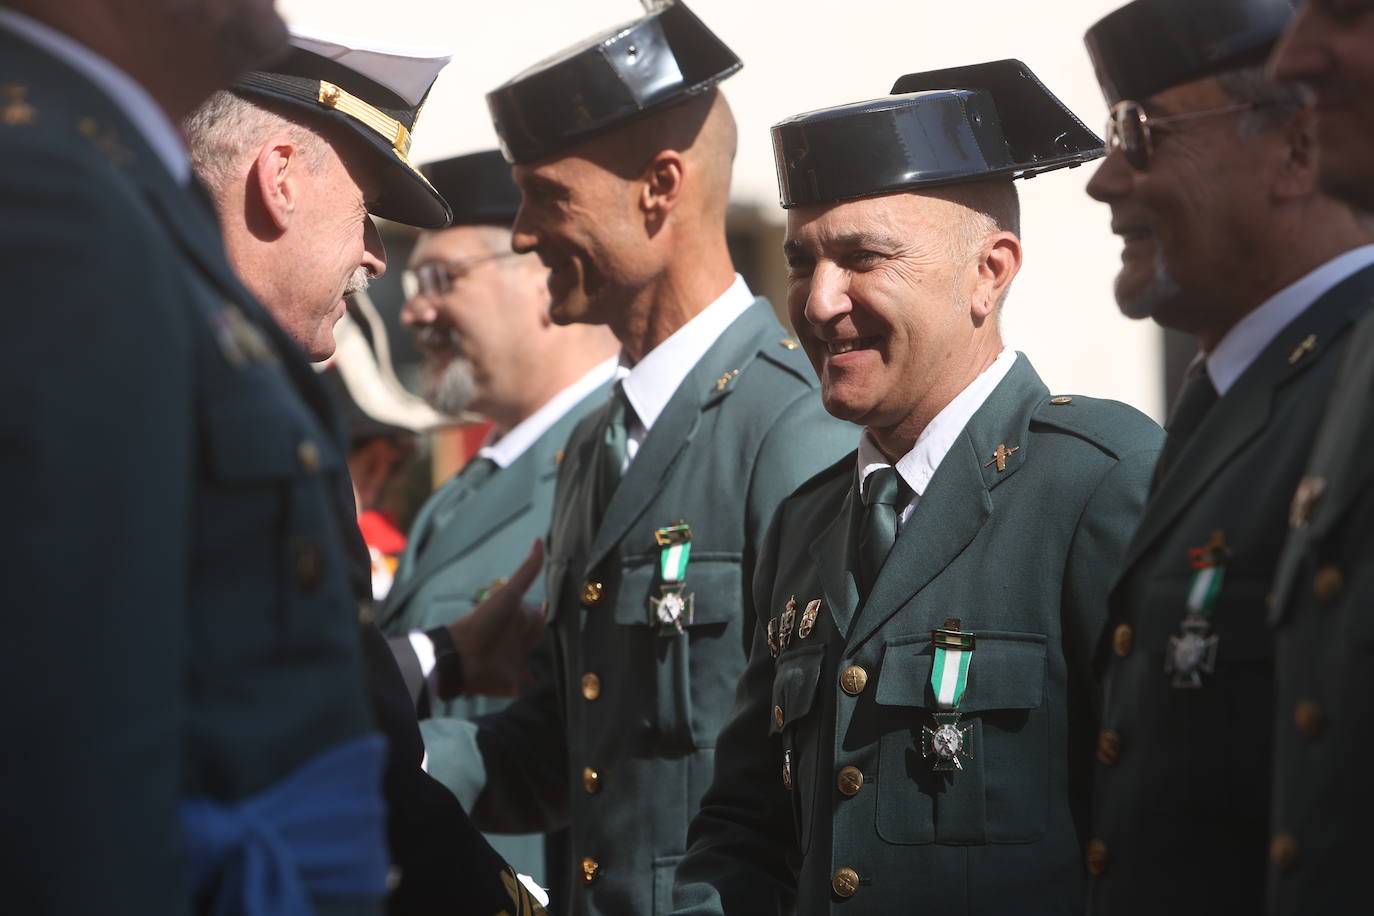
<point>947,744</point>
<point>1193,652</point>
<point>671,610</point>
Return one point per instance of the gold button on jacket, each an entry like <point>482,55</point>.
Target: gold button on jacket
<point>845,883</point>
<point>853,680</point>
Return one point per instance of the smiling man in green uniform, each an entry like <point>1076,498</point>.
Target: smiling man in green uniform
<point>623,149</point>
<point>913,728</point>
<point>1212,183</point>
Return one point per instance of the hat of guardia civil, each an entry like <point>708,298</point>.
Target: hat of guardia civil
<point>478,188</point>
<point>596,85</point>
<point>939,127</point>
<point>372,91</point>
<point>1150,45</point>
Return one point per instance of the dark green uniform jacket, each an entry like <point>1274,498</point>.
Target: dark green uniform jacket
<point>820,767</point>
<point>483,532</point>
<point>1323,608</point>
<point>181,622</point>
<point>621,736</point>
<point>1182,784</point>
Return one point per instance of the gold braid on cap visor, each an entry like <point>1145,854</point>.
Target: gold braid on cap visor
<point>391,130</point>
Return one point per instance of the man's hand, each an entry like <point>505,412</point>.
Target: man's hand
<point>494,639</point>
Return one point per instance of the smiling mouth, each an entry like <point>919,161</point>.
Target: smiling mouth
<point>1132,233</point>
<point>836,347</point>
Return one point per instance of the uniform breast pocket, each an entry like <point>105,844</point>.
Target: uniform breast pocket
<point>793,716</point>
<point>1001,792</point>
<point>695,670</point>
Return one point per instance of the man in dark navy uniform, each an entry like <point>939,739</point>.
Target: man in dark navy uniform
<point>181,655</point>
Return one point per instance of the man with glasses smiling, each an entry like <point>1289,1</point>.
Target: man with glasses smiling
<point>1212,184</point>
<point>481,313</point>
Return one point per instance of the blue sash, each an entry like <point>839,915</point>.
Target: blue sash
<point>319,832</point>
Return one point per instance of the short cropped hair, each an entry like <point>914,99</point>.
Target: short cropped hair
<point>227,126</point>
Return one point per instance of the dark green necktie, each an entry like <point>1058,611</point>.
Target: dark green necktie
<point>884,492</point>
<point>1194,402</point>
<point>611,450</point>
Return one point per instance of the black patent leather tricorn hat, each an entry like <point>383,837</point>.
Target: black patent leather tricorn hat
<point>1147,46</point>
<point>939,127</point>
<point>598,84</point>
<point>478,187</point>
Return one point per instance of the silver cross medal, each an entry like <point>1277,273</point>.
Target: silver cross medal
<point>1192,653</point>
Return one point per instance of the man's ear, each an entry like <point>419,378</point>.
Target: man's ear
<point>998,264</point>
<point>663,178</point>
<point>1297,175</point>
<point>272,188</point>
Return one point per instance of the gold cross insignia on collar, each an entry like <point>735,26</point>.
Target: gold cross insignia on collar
<point>1309,343</point>
<point>999,457</point>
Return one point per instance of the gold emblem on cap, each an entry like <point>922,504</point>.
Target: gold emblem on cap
<point>344,102</point>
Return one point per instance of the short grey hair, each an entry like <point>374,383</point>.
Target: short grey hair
<point>1253,85</point>
<point>227,127</point>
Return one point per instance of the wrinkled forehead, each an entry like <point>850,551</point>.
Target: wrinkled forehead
<point>905,215</point>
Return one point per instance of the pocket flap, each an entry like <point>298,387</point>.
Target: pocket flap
<point>714,584</point>
<point>1007,672</point>
<point>794,685</point>
<point>255,437</point>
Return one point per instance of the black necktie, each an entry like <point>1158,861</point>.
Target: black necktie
<point>884,490</point>
<point>1195,400</point>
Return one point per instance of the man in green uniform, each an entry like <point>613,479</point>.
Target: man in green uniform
<point>1212,184</point>
<point>623,149</point>
<point>912,730</point>
<point>1324,587</point>
<point>481,312</point>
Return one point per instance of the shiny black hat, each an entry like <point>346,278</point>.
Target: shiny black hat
<point>374,93</point>
<point>1149,45</point>
<point>939,127</point>
<point>478,188</point>
<point>597,84</point>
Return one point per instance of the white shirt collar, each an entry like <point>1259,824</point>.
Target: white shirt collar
<point>918,466</point>
<point>505,450</point>
<point>123,90</point>
<point>651,382</point>
<point>1243,344</point>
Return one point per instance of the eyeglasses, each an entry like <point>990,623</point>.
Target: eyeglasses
<point>438,277</point>
<point>1129,127</point>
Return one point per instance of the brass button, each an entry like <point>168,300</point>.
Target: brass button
<point>853,680</point>
<point>592,593</point>
<point>1108,747</point>
<point>1329,583</point>
<point>591,870</point>
<point>1283,851</point>
<point>1061,399</point>
<point>591,686</point>
<point>1096,858</point>
<point>308,454</point>
<point>778,716</point>
<point>308,562</point>
<point>1123,638</point>
<point>591,781</point>
<point>849,781</point>
<point>845,882</point>
<point>1309,719</point>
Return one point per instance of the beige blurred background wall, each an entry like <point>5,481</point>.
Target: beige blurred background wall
<point>805,54</point>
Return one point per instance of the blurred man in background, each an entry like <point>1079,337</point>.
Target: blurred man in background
<point>1212,181</point>
<point>481,313</point>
